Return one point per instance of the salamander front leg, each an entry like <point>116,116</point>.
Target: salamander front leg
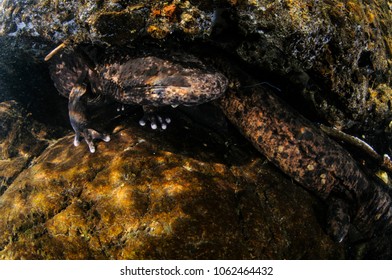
<point>78,117</point>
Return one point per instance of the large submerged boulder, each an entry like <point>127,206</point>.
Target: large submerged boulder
<point>154,195</point>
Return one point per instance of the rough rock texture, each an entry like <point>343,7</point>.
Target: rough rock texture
<point>345,47</point>
<point>16,151</point>
<point>153,195</point>
<point>114,22</point>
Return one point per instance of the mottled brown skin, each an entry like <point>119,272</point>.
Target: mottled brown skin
<point>315,161</point>
<point>127,77</point>
<point>139,78</point>
<point>156,81</point>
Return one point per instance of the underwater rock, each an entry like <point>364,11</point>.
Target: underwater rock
<point>114,22</point>
<point>21,139</point>
<point>152,195</point>
<point>344,47</point>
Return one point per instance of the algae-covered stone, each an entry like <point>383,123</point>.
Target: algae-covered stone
<point>114,22</point>
<point>146,196</point>
<point>21,139</point>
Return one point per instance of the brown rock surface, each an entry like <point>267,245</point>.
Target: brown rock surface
<point>154,195</point>
<point>21,139</point>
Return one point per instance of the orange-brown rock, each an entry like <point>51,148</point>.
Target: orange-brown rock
<point>158,195</point>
